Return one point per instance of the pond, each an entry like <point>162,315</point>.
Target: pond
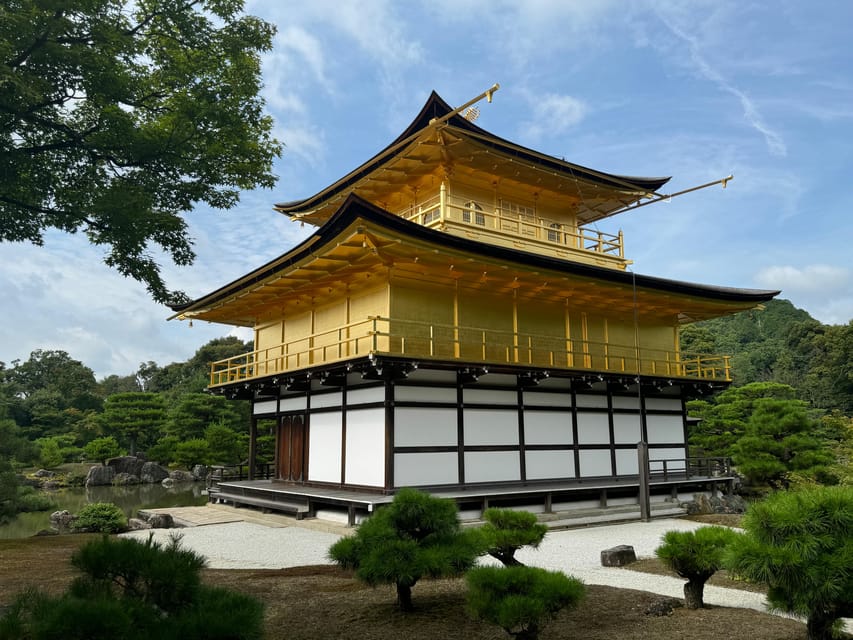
<point>129,498</point>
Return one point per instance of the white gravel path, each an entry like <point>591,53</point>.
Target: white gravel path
<point>577,552</point>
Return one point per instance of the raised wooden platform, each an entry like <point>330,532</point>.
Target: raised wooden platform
<point>303,501</point>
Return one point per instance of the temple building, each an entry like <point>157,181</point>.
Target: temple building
<point>456,324</point>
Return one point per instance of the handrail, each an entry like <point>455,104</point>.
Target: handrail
<point>426,340</point>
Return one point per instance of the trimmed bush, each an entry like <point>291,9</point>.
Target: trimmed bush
<point>506,531</point>
<point>416,536</point>
<point>100,517</point>
<point>695,556</point>
<point>520,599</point>
<point>102,449</point>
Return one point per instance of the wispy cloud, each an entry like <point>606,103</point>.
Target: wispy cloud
<point>813,278</point>
<point>552,114</point>
<point>774,141</point>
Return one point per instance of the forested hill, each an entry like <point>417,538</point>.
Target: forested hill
<point>780,343</point>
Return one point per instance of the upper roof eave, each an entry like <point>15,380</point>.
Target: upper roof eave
<point>355,207</point>
<point>436,107</point>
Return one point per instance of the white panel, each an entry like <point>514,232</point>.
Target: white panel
<point>675,458</point>
<point>490,426</point>
<point>492,466</point>
<point>490,396</point>
<point>593,428</point>
<point>626,428</point>
<point>293,403</point>
<point>547,427</point>
<point>324,447</point>
<point>414,469</point>
<point>363,396</point>
<point>627,463</point>
<point>598,402</point>
<point>595,463</point>
<point>547,399</point>
<point>326,400</point>
<point>623,402</point>
<point>366,447</point>
<point>269,406</point>
<point>425,394</point>
<point>542,465</point>
<point>424,427</point>
<point>663,404</point>
<point>665,429</point>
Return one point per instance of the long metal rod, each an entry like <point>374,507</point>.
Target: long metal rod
<point>722,181</point>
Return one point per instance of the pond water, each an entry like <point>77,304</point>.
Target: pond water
<point>130,499</point>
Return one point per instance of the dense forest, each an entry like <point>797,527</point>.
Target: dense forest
<point>784,420</point>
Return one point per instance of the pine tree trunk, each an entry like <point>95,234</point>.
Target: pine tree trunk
<point>819,627</point>
<point>508,559</point>
<point>694,590</point>
<point>404,597</point>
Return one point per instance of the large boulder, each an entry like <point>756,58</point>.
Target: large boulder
<point>100,476</point>
<point>152,473</point>
<point>131,465</point>
<point>179,475</point>
<point>61,520</point>
<point>124,479</point>
<point>200,472</point>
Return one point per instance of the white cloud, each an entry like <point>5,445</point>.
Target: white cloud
<point>814,278</point>
<point>553,114</point>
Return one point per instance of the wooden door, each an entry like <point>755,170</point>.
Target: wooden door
<point>292,448</point>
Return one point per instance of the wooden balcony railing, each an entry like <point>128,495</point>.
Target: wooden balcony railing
<point>424,340</point>
<point>530,229</point>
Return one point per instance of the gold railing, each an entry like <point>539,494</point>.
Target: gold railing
<point>423,340</point>
<point>518,227</point>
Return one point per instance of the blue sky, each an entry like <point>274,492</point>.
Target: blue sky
<point>691,89</point>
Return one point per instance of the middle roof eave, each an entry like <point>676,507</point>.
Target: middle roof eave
<point>356,208</point>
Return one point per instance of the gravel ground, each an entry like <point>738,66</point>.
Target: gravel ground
<point>243,545</point>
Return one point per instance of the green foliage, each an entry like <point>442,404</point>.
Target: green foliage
<point>695,556</point>
<point>102,449</point>
<point>30,499</point>
<point>164,450</point>
<point>135,591</point>
<point>119,117</point>
<point>800,544</point>
<point>192,452</point>
<point>133,418</point>
<point>520,599</point>
<point>49,454</point>
<point>193,413</point>
<point>507,530</point>
<point>103,517</point>
<point>224,446</point>
<point>416,536</point>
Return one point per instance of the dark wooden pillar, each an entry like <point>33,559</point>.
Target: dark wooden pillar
<point>253,445</point>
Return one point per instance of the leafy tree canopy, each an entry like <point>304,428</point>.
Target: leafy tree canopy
<point>117,117</point>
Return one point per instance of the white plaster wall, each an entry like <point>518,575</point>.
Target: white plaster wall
<point>623,402</point>
<point>593,428</point>
<point>665,429</point>
<point>416,469</point>
<point>595,463</point>
<point>365,396</point>
<point>365,441</point>
<point>663,404</point>
<point>425,394</point>
<point>542,465</point>
<point>490,396</point>
<point>324,447</point>
<point>293,403</point>
<point>675,456</point>
<point>492,466</point>
<point>627,462</point>
<point>424,427</point>
<point>535,398</point>
<point>490,426</point>
<point>268,406</point>
<point>626,428</point>
<point>597,402</point>
<point>321,400</point>
<point>548,427</point>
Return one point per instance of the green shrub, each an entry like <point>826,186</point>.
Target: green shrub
<point>800,544</point>
<point>102,517</point>
<point>223,444</point>
<point>507,530</point>
<point>31,500</point>
<point>218,614</point>
<point>163,452</point>
<point>695,556</point>
<point>50,455</point>
<point>102,449</point>
<point>192,452</point>
<point>416,536</point>
<point>520,599</point>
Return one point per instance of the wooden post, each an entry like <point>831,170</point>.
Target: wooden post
<point>645,479</point>
<point>253,443</point>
